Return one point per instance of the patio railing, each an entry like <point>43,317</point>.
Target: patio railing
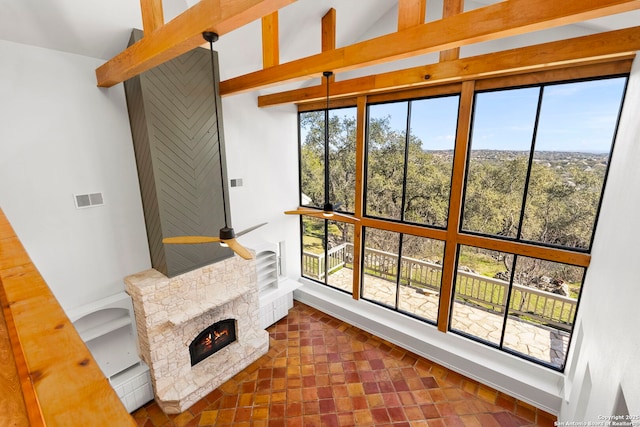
<point>313,265</point>
<point>480,291</point>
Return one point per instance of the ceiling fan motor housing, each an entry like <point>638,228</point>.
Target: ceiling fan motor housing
<point>227,233</point>
<point>210,36</point>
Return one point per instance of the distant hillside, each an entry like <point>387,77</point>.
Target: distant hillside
<point>548,158</point>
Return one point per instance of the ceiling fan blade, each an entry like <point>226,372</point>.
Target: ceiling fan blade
<point>238,248</point>
<point>188,240</point>
<point>243,232</point>
<point>304,211</point>
<point>347,217</point>
<point>310,212</point>
<point>322,214</point>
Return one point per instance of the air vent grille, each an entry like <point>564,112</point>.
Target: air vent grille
<point>88,200</point>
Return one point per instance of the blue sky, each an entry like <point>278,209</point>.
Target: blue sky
<point>574,117</point>
<point>578,117</point>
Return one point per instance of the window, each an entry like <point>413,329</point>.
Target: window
<point>536,170</point>
<point>328,245</point>
<point>342,151</point>
<point>538,161</point>
<point>519,304</point>
<point>409,159</point>
<point>403,272</point>
<point>516,199</point>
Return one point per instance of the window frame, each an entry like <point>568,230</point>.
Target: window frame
<point>530,161</point>
<point>407,138</point>
<point>453,236</point>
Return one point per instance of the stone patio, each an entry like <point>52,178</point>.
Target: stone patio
<point>540,342</point>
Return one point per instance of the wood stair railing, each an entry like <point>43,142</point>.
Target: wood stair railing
<point>48,377</point>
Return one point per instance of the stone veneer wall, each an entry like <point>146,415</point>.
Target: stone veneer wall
<point>171,312</point>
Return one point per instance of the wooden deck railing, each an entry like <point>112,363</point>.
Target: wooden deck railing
<point>480,291</point>
<point>49,377</point>
<point>314,265</point>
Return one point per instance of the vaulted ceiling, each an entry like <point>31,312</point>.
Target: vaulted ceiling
<point>101,30</point>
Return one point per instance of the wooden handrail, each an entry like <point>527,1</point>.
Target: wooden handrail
<point>58,379</point>
<point>10,384</point>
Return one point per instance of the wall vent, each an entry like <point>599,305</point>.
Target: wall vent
<point>88,200</point>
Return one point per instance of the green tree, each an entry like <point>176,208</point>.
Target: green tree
<point>562,205</point>
<point>493,200</point>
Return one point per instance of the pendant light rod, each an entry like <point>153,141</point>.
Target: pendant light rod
<point>212,37</point>
<point>327,205</point>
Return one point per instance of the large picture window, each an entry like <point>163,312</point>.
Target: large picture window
<point>410,158</point>
<point>327,254</point>
<point>477,207</point>
<point>538,161</point>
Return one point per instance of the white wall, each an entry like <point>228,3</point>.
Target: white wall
<point>262,150</point>
<point>61,135</point>
<point>609,357</point>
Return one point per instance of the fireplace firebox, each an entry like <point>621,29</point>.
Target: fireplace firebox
<point>212,339</point>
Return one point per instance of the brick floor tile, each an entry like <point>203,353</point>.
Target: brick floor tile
<point>322,372</point>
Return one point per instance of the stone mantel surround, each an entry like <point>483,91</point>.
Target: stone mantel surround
<point>171,312</point>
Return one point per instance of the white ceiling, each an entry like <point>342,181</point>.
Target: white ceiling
<point>101,28</point>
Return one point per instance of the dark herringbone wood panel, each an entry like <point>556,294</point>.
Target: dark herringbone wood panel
<point>176,131</point>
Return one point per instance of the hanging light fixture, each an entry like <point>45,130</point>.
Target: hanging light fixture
<point>227,236</point>
<point>328,210</point>
<point>328,207</point>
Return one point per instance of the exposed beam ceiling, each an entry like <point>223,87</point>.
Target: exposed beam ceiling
<point>329,31</point>
<point>620,44</point>
<point>182,34</point>
<point>451,8</point>
<point>411,13</point>
<point>270,44</point>
<point>163,42</point>
<point>509,18</point>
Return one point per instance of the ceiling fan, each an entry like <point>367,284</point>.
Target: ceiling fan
<point>328,210</point>
<point>226,237</point>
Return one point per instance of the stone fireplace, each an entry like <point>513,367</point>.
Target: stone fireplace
<point>212,308</point>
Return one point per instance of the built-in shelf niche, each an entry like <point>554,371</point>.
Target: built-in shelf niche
<point>275,289</point>
<point>100,330</point>
<point>108,329</point>
<point>267,270</point>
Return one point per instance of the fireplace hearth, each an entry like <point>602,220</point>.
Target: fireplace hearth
<point>213,339</point>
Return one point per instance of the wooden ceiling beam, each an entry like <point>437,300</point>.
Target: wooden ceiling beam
<point>451,8</point>
<point>411,13</point>
<point>182,34</point>
<point>508,18</point>
<point>152,15</point>
<point>270,40</point>
<point>329,35</point>
<point>329,30</point>
<point>619,44</point>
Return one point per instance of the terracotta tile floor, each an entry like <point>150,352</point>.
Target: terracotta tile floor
<point>320,371</point>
